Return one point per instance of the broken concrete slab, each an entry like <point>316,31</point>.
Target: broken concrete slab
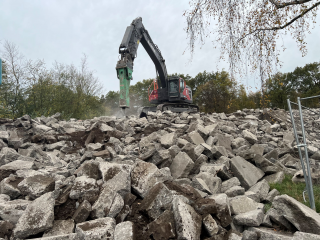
<point>102,228</point>
<point>158,199</point>
<point>232,182</point>
<point>223,208</point>
<point>195,138</point>
<point>37,217</point>
<point>181,165</point>
<point>252,218</point>
<point>275,178</point>
<point>210,225</point>
<point>8,186</point>
<point>235,191</point>
<point>85,188</point>
<point>269,233</point>
<point>102,205</point>
<point>12,167</point>
<point>60,227</point>
<point>12,210</point>
<point>145,175</point>
<point>82,212</point>
<point>305,236</point>
<point>243,204</point>
<point>188,222</point>
<point>246,172</point>
<point>302,217</point>
<point>213,183</point>
<point>124,231</point>
<point>163,227</point>
<point>168,140</point>
<point>251,138</point>
<point>36,185</point>
<point>261,188</point>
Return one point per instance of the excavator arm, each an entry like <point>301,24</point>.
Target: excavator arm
<point>136,33</point>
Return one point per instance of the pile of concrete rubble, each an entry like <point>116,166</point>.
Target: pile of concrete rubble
<point>167,176</point>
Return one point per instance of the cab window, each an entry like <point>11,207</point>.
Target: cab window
<point>181,85</point>
<point>174,86</point>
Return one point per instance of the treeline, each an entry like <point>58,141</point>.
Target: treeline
<point>29,87</point>
<point>212,92</point>
<point>218,92</point>
<point>302,82</point>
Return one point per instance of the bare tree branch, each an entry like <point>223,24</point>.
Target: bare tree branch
<point>282,5</point>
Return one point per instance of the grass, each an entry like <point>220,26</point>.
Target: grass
<point>267,206</point>
<point>295,190</point>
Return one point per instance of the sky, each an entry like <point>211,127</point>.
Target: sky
<point>64,30</point>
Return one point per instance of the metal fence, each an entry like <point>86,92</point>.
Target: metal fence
<point>298,128</point>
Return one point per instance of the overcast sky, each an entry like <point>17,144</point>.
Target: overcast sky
<point>62,30</point>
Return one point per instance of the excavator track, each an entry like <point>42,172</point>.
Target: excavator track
<point>173,107</point>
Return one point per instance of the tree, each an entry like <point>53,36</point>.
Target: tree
<point>279,88</point>
<point>79,89</point>
<point>218,94</point>
<point>307,79</point>
<point>111,102</point>
<point>243,100</point>
<point>4,94</point>
<point>200,79</point>
<point>14,84</point>
<point>248,30</point>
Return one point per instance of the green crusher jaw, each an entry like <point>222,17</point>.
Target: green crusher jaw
<point>124,75</point>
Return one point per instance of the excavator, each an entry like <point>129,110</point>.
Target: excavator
<point>166,93</point>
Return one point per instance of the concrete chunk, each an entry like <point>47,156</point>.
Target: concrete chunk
<point>243,204</point>
<point>188,222</point>
<point>168,140</point>
<point>235,191</point>
<point>269,233</point>
<point>252,219</point>
<point>232,182</point>
<point>305,236</point>
<point>8,186</point>
<point>145,175</point>
<point>246,172</point>
<point>85,188</point>
<point>302,217</point>
<point>251,138</point>
<point>124,231</point>
<point>223,208</point>
<point>262,188</point>
<point>157,200</point>
<point>36,185</point>
<point>37,217</point>
<point>60,227</point>
<point>195,138</point>
<point>213,183</point>
<point>102,228</point>
<point>181,165</point>
<point>163,227</point>
<point>275,178</point>
<point>82,212</point>
<point>12,210</point>
<point>210,225</point>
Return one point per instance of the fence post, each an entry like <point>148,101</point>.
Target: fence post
<point>310,191</point>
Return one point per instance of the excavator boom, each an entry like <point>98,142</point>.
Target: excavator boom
<point>134,34</point>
